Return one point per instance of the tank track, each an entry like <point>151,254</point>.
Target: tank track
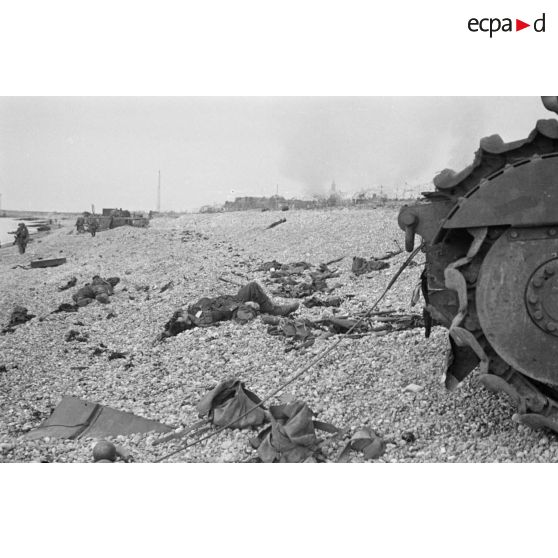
<point>455,263</point>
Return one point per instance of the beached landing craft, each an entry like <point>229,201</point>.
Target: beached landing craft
<point>491,276</point>
<point>112,218</point>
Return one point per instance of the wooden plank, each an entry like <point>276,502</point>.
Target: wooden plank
<point>48,263</point>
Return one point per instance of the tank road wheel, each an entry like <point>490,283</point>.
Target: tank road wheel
<point>510,288</point>
<point>517,301</point>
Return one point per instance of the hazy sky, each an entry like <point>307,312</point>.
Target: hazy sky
<point>66,153</point>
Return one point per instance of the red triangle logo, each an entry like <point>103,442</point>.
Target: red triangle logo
<point>519,25</point>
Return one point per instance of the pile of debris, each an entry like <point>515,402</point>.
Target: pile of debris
<point>334,301</point>
<point>362,265</point>
<point>291,280</point>
<point>288,431</point>
<point>188,235</point>
<point>302,333</point>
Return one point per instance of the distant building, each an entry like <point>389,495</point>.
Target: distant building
<point>274,202</point>
<point>211,209</point>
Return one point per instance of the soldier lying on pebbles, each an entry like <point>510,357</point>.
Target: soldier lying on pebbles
<point>99,289</point>
<point>19,316</point>
<point>243,306</point>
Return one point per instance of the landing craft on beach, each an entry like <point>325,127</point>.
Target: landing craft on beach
<point>110,219</point>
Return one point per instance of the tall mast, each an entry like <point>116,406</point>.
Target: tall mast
<point>159,194</point>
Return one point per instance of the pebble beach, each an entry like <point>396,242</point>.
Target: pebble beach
<point>361,383</point>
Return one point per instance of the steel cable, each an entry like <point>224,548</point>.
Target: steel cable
<point>305,368</point>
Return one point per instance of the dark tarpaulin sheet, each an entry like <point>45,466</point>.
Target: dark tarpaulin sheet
<point>75,418</point>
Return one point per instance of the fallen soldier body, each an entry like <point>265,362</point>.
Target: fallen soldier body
<point>99,289</point>
<point>243,306</point>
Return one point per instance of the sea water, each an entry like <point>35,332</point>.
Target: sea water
<point>7,225</point>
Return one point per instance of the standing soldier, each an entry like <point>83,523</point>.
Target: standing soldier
<point>93,226</point>
<point>80,224</point>
<point>21,237</point>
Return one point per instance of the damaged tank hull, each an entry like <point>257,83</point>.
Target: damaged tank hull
<point>490,236</point>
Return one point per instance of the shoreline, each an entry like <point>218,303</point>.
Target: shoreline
<point>33,237</point>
